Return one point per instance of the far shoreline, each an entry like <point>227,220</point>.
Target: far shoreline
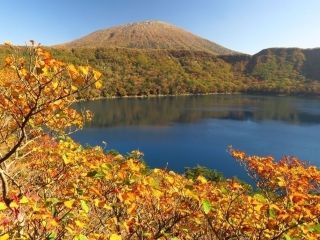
<point>275,94</point>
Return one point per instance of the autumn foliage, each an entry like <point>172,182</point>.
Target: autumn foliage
<point>53,188</point>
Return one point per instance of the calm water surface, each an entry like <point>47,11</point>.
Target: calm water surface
<point>180,132</point>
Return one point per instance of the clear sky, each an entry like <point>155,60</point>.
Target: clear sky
<point>243,25</point>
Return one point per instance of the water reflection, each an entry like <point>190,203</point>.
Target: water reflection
<point>190,109</point>
<point>180,132</point>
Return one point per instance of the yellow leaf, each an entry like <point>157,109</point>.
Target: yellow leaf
<point>157,193</point>
<point>72,70</point>
<point>134,166</point>
<point>69,203</point>
<point>84,69</point>
<point>84,206</point>
<point>4,237</point>
<point>24,200</point>
<point>55,84</point>
<point>202,179</point>
<point>96,202</point>
<point>191,194</point>
<point>115,237</point>
<point>3,206</point>
<point>126,227</point>
<point>53,223</point>
<point>98,84</point>
<point>13,205</point>
<point>23,72</point>
<point>108,207</point>
<point>45,71</point>
<point>170,179</point>
<point>74,88</point>
<point>257,205</point>
<point>44,223</point>
<point>96,74</point>
<point>281,182</point>
<point>66,159</point>
<point>79,224</point>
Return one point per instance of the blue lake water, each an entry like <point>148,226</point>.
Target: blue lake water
<point>179,132</point>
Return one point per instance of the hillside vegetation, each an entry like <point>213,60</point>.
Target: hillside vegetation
<point>286,69</point>
<point>140,72</point>
<point>129,72</point>
<point>157,72</point>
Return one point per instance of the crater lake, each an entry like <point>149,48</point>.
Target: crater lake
<point>186,131</point>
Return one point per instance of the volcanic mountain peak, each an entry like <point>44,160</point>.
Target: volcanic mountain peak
<point>147,35</point>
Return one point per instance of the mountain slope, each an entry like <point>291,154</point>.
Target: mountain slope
<point>131,72</point>
<point>147,35</point>
<point>290,63</point>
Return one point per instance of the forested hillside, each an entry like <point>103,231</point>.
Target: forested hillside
<point>143,72</point>
<point>286,69</point>
<point>162,72</point>
<point>158,72</point>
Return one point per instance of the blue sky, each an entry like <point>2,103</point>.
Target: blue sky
<point>243,25</point>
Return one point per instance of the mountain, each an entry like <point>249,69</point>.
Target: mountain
<point>147,35</point>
